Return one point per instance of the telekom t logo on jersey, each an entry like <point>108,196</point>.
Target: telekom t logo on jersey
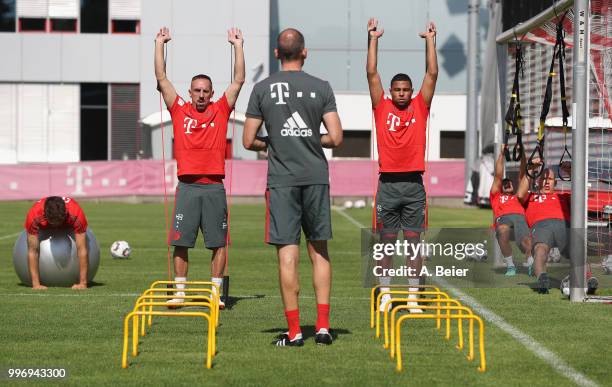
<point>279,91</point>
<point>539,198</point>
<point>504,198</point>
<point>189,123</point>
<point>393,121</point>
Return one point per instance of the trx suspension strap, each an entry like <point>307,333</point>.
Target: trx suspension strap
<point>558,52</point>
<point>564,110</point>
<point>513,115</point>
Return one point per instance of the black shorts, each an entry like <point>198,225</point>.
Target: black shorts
<point>400,203</point>
<point>518,225</point>
<point>199,206</point>
<point>291,209</point>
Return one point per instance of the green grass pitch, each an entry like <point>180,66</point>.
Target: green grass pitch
<point>82,331</point>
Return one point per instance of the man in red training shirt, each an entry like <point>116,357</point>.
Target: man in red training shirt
<point>200,129</point>
<point>509,215</point>
<point>56,212</point>
<point>401,124</point>
<point>548,216</point>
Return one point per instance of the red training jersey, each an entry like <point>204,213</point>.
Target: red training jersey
<point>504,204</point>
<point>401,135</point>
<point>547,206</point>
<point>200,138</point>
<point>75,217</point>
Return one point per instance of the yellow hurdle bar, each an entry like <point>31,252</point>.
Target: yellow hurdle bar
<point>151,303</point>
<point>207,300</point>
<point>214,298</point>
<point>210,339</point>
<point>403,307</point>
<point>406,292</point>
<point>374,307</point>
<point>398,324</point>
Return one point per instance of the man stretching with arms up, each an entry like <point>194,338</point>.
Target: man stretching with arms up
<point>200,129</point>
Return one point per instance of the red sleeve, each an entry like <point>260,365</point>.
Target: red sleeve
<point>33,218</point>
<point>421,103</point>
<point>566,203</point>
<point>493,196</point>
<point>76,216</point>
<point>380,101</point>
<point>176,105</point>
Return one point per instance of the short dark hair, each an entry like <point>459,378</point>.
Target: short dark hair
<point>201,76</point>
<point>506,180</point>
<point>400,77</point>
<point>290,44</point>
<point>55,210</point>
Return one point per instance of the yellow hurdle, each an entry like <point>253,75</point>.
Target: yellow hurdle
<point>152,303</point>
<point>426,300</point>
<point>483,362</point>
<point>196,300</point>
<point>210,339</point>
<point>374,306</point>
<point>406,292</point>
<point>214,299</point>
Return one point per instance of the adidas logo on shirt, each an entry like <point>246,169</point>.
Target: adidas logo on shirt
<point>295,127</point>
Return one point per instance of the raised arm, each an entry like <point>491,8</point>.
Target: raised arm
<point>234,36</point>
<point>333,138</point>
<point>431,73</point>
<point>249,135</point>
<point>374,83</point>
<point>163,84</point>
<point>499,171</point>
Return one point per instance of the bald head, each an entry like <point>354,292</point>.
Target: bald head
<point>290,45</point>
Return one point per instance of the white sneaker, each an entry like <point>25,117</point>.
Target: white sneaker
<point>383,301</point>
<point>174,303</point>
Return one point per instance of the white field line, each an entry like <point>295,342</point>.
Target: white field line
<point>531,344</point>
<point>3,237</point>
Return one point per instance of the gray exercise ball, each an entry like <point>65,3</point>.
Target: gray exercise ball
<point>58,263</point>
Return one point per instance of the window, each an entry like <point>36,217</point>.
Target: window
<point>126,132</point>
<point>126,26</point>
<point>94,16</point>
<point>94,121</point>
<point>63,25</point>
<point>7,16</point>
<point>125,16</point>
<point>451,144</point>
<point>31,24</point>
<point>355,143</point>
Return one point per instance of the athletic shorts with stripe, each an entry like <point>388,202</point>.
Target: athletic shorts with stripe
<point>199,207</point>
<point>517,223</point>
<point>291,209</point>
<point>400,203</point>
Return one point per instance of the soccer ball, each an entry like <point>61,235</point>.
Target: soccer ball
<point>565,286</point>
<point>120,250</point>
<point>554,255</point>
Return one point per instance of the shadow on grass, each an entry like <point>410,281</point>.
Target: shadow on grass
<point>231,301</point>
<point>91,284</point>
<point>308,331</point>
